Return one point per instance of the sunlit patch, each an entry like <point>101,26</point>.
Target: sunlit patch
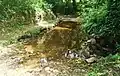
<point>39,16</point>
<point>62,28</point>
<point>29,48</point>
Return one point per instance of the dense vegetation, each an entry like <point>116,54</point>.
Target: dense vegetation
<point>99,17</point>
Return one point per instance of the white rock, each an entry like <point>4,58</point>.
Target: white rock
<point>92,41</point>
<point>91,60</point>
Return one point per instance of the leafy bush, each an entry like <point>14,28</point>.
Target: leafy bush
<point>11,7</point>
<point>101,17</point>
<point>20,8</point>
<point>92,11</point>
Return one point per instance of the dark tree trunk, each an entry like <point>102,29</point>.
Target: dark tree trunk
<point>74,6</point>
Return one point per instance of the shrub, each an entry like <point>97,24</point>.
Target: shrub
<point>101,17</point>
<point>20,8</point>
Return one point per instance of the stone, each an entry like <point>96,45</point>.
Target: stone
<point>91,60</point>
<point>71,54</point>
<point>43,62</point>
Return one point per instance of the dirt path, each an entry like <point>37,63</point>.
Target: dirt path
<point>9,65</point>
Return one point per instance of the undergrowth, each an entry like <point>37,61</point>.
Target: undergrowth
<point>108,66</point>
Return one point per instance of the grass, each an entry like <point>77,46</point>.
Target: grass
<point>11,31</point>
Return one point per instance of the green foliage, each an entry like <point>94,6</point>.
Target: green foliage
<point>20,8</point>
<point>92,11</point>
<point>11,7</point>
<point>112,20</point>
<point>108,66</point>
<point>57,6</point>
<point>64,7</point>
<point>101,17</point>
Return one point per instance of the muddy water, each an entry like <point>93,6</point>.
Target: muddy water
<point>52,44</point>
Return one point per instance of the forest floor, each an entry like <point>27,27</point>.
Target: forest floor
<point>10,65</point>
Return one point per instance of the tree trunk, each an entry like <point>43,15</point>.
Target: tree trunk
<point>74,6</point>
